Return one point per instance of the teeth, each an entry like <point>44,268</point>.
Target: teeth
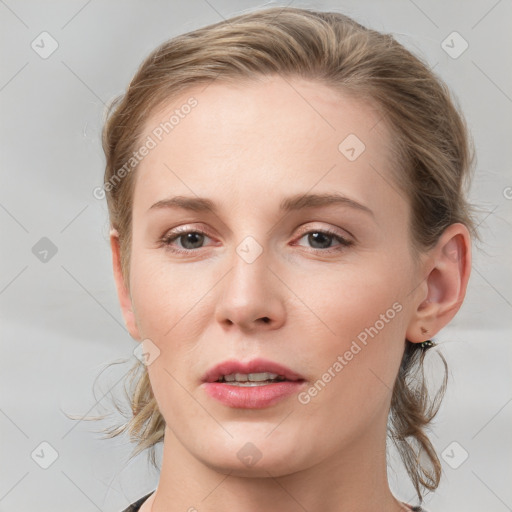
<point>249,378</point>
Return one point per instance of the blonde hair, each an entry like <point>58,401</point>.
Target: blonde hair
<point>429,134</point>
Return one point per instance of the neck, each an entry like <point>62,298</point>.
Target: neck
<point>353,480</point>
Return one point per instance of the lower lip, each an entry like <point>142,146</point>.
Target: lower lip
<point>252,397</point>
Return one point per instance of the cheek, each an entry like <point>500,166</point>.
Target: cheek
<point>172,305</point>
<point>166,297</point>
<point>361,337</point>
<point>355,369</point>
<point>352,299</point>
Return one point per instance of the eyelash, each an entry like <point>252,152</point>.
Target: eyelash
<point>169,238</point>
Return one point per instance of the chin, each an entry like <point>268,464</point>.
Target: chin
<point>273,467</point>
<point>246,458</point>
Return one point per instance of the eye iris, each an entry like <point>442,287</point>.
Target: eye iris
<point>322,238</point>
<point>192,240</point>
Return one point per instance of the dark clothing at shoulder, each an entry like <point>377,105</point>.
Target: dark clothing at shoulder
<point>134,507</point>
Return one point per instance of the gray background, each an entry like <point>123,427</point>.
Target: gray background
<point>61,322</point>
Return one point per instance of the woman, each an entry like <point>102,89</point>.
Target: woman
<point>289,231</point>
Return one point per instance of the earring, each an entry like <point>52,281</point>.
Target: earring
<point>427,343</point>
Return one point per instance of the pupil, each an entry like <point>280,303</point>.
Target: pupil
<point>315,238</point>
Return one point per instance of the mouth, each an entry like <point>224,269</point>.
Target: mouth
<point>251,379</point>
<point>253,385</point>
<point>258,372</point>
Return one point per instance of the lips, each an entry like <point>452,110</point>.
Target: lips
<point>254,366</point>
<point>254,393</point>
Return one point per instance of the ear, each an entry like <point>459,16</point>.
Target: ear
<point>448,266</point>
<point>123,293</point>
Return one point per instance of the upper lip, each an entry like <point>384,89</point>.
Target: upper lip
<point>254,366</point>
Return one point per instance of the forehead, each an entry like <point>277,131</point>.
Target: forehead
<point>258,138</point>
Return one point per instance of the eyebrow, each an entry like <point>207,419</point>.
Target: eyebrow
<point>296,202</point>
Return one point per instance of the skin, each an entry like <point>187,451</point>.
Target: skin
<point>247,147</point>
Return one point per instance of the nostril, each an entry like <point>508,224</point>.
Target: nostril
<point>266,319</point>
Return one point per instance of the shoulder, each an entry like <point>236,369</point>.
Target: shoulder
<point>134,507</point>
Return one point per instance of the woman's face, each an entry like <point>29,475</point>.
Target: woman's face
<point>275,276</point>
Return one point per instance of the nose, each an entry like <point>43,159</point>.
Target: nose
<point>252,297</point>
